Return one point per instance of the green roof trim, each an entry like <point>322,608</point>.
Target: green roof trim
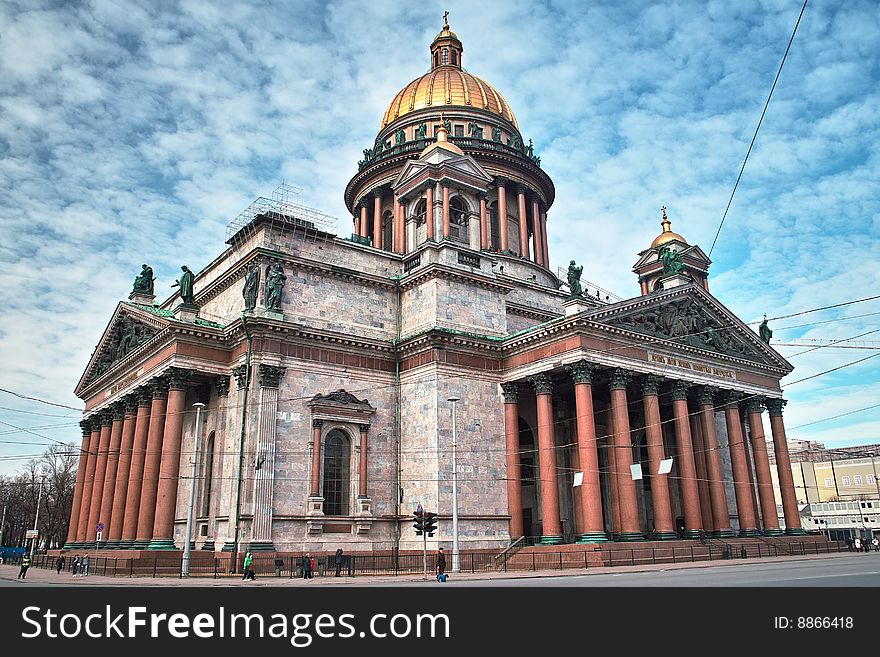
<point>162,312</point>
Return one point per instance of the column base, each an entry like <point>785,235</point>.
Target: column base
<point>723,533</point>
<point>262,546</point>
<point>550,540</point>
<point>139,544</point>
<point>693,533</point>
<point>208,545</point>
<point>228,546</point>
<point>124,545</point>
<point>749,533</point>
<point>664,536</point>
<point>593,537</point>
<point>161,544</point>
<point>774,531</point>
<point>628,537</point>
<point>796,531</point>
<point>71,546</point>
<point>111,545</point>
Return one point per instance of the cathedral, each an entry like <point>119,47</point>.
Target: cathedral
<point>308,390</point>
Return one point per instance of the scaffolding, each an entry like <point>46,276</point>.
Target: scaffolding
<point>284,209</point>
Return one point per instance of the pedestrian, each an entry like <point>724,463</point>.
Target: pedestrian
<point>25,564</point>
<point>858,544</point>
<point>248,560</point>
<point>74,565</point>
<point>849,543</point>
<point>441,565</point>
<point>338,560</point>
<point>876,543</point>
<point>307,566</point>
<point>84,566</point>
<point>59,563</point>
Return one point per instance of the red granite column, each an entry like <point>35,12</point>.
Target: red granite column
<point>511,448</point>
<point>100,469</point>
<point>664,523</point>
<point>748,521</point>
<point>715,473</point>
<point>630,529</point>
<point>150,485</point>
<point>593,526</point>
<point>362,462</point>
<point>429,211</point>
<point>136,472</point>
<point>536,234</point>
<point>106,513</point>
<point>551,524</point>
<point>753,491</point>
<point>315,483</point>
<point>169,466</point>
<point>445,214</point>
<point>114,529</point>
<point>377,219</point>
<point>546,244</point>
<point>78,485</point>
<point>362,226</point>
<point>484,224</point>
<point>612,471</point>
<point>783,468</point>
<point>687,472</point>
<point>643,286</point>
<point>82,528</point>
<point>502,214</point>
<point>702,473</point>
<point>769,514</point>
<point>523,222</point>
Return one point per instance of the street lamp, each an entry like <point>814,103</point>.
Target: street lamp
<point>455,555</point>
<point>36,517</point>
<point>184,570</point>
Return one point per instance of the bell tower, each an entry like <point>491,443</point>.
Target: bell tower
<point>671,261</point>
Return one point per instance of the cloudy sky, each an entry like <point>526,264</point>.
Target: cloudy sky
<point>134,132</point>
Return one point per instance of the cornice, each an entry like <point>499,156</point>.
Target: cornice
<point>438,270</point>
<point>531,313</point>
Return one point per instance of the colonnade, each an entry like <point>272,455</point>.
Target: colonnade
<point>697,458</point>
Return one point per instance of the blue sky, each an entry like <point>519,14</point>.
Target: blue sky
<point>134,132</point>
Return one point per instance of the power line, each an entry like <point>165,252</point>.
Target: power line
<point>763,112</point>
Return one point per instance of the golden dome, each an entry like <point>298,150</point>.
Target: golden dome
<point>444,87</point>
<point>667,235</point>
<point>441,142</point>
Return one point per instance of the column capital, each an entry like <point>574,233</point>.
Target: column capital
<point>270,375</point>
<point>543,384</point>
<point>376,193</point>
<point>729,398</point>
<point>117,408</point>
<point>774,406</point>
<point>222,384</point>
<point>317,424</point>
<point>754,404</point>
<point>581,371</point>
<point>159,387</point>
<point>144,395</point>
<point>680,389</point>
<point>510,392</point>
<point>651,384</point>
<point>707,395</point>
<point>130,402</point>
<point>619,378</point>
<point>178,378</point>
<point>107,417</point>
<point>364,428</point>
<point>522,189</point>
<point>483,196</point>
<point>500,181</point>
<point>240,373</point>
<point>86,426</point>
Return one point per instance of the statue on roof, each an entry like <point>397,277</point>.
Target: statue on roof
<point>275,280</point>
<point>185,283</point>
<point>671,260</point>
<point>421,131</point>
<point>143,282</point>
<point>764,331</point>
<point>474,130</point>
<point>496,133</point>
<point>399,137</point>
<point>574,280</point>
<point>251,286</point>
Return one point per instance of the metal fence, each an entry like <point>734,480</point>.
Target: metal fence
<point>220,566</point>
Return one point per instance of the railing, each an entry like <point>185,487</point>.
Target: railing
<point>470,143</point>
<point>592,556</point>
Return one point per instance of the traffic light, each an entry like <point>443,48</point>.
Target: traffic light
<point>419,524</point>
<point>430,523</point>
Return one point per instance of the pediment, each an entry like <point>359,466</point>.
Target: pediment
<point>689,316</point>
<point>412,169</point>
<point>128,330</point>
<point>463,165</point>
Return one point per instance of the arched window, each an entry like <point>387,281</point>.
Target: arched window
<point>387,230</point>
<point>458,219</point>
<point>444,56</point>
<point>454,58</point>
<point>419,214</point>
<point>207,474</point>
<point>436,59</point>
<point>494,227</point>
<point>337,451</point>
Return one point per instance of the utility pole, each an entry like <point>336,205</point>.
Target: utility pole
<point>36,517</point>
<point>184,566</point>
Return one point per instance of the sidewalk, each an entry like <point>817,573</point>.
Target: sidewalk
<point>36,576</point>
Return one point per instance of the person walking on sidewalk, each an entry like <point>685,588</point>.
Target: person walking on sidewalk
<point>307,566</point>
<point>74,566</point>
<point>25,564</point>
<point>441,562</point>
<point>338,560</point>
<point>246,567</point>
<point>59,564</point>
<point>84,566</point>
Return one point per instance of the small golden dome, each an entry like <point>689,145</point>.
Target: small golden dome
<point>441,142</point>
<point>667,235</point>
<point>446,33</point>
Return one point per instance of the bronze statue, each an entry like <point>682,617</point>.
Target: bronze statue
<point>764,331</point>
<point>672,263</point>
<point>185,283</point>
<point>274,286</point>
<point>399,137</point>
<point>421,131</point>
<point>496,134</point>
<point>475,131</point>
<point>143,282</point>
<point>574,280</point>
<point>251,286</point>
